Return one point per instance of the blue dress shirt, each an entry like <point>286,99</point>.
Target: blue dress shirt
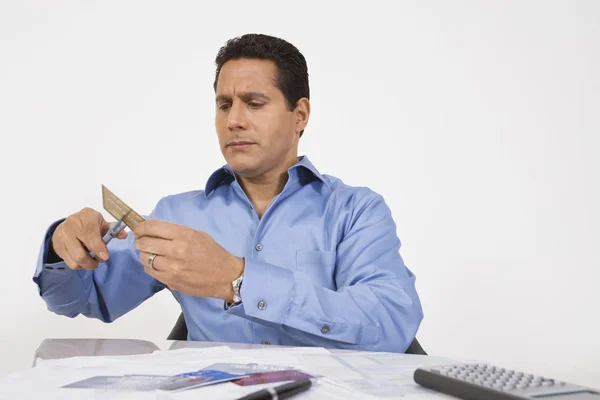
<point>322,268</point>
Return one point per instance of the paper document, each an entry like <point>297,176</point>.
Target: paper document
<point>388,375</point>
<point>221,373</point>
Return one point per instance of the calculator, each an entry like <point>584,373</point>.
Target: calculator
<point>489,382</point>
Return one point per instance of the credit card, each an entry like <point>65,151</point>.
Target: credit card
<point>247,369</point>
<point>127,382</point>
<point>199,378</point>
<point>119,210</point>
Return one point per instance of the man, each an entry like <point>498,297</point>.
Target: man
<point>271,251</point>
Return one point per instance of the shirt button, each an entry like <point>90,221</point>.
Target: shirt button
<point>266,342</point>
<point>325,329</point>
<point>262,305</point>
<point>258,247</point>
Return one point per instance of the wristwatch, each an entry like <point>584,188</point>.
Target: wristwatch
<point>237,286</point>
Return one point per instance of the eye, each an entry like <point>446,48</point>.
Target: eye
<point>224,107</point>
<point>255,105</point>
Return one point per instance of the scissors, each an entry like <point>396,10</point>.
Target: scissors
<point>124,215</point>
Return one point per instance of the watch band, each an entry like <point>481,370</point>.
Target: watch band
<point>237,287</point>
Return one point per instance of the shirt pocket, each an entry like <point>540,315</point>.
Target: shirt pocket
<point>319,266</point>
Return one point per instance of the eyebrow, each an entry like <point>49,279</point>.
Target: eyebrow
<point>244,96</point>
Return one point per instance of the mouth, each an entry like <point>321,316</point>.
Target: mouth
<point>240,144</point>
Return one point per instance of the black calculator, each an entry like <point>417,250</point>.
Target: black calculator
<point>489,382</point>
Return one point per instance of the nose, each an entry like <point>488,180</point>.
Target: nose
<point>236,118</point>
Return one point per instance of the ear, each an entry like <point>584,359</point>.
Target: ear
<point>302,112</point>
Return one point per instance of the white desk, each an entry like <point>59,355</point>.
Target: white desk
<point>52,349</point>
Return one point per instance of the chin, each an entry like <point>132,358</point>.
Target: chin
<point>243,164</point>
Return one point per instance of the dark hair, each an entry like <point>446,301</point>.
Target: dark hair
<point>292,72</point>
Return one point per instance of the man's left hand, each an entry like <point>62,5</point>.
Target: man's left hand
<point>187,261</point>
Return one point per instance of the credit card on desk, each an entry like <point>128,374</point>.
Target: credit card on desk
<point>199,378</point>
<point>144,383</point>
<point>126,382</point>
<point>247,369</point>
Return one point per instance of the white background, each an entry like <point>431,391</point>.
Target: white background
<point>477,121</point>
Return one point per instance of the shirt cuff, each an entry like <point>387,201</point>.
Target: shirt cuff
<point>266,292</point>
<point>49,265</point>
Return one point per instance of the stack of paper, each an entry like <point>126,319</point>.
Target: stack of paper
<point>190,373</point>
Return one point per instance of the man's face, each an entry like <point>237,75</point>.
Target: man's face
<point>257,133</point>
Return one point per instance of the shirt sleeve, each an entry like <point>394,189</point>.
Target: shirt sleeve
<point>106,293</point>
<point>375,306</point>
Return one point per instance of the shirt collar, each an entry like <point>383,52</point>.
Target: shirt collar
<point>226,175</point>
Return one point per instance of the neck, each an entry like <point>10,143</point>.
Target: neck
<point>263,188</point>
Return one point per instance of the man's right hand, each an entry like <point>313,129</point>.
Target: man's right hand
<point>79,234</point>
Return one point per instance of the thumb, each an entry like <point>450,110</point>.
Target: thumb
<point>104,226</point>
<point>122,234</point>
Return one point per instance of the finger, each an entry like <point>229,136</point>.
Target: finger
<point>90,221</point>
<point>61,250</point>
<point>92,227</point>
<point>160,276</point>
<point>122,234</point>
<point>158,228</point>
<point>149,244</point>
<point>159,263</point>
<point>79,255</point>
<point>94,242</point>
<point>64,254</point>
<point>150,271</point>
<point>105,226</point>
